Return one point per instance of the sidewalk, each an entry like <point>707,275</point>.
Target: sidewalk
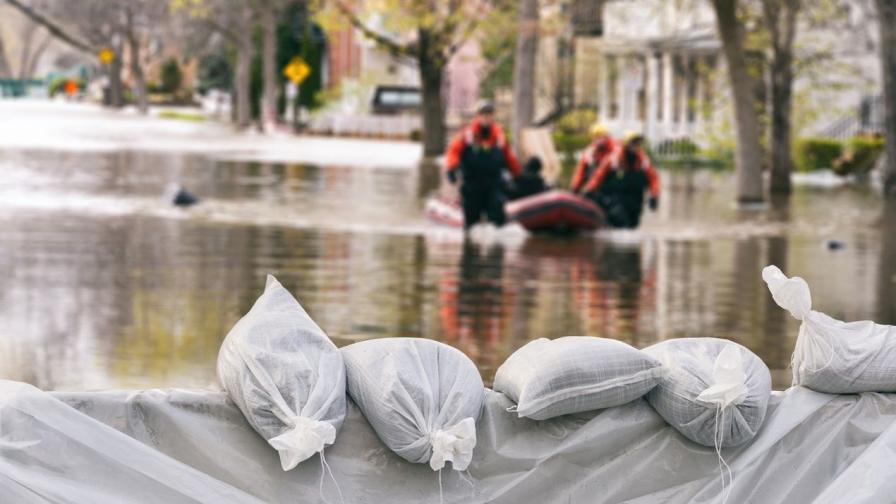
<point>52,125</point>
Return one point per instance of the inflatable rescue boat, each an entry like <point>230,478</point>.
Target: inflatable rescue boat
<point>554,211</point>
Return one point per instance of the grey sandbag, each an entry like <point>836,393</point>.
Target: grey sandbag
<point>548,378</point>
<point>831,355</point>
<point>714,391</point>
<point>285,375</point>
<point>421,397</point>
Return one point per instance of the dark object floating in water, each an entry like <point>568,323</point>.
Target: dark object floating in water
<point>835,245</point>
<point>178,196</point>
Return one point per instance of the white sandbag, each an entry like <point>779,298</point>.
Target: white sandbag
<point>421,397</point>
<point>548,378</point>
<point>714,391</point>
<point>830,355</point>
<point>285,375</point>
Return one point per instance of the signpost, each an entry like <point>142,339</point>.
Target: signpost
<point>296,71</point>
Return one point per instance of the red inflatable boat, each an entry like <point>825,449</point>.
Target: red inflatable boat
<point>552,211</point>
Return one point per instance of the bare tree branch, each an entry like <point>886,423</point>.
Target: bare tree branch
<point>52,27</point>
<point>409,49</point>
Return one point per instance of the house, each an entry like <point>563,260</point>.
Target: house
<point>658,68</point>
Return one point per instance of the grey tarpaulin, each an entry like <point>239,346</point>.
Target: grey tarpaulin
<point>812,447</point>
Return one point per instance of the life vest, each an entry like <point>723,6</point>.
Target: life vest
<point>482,161</point>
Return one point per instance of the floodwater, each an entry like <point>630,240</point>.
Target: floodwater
<point>106,286</point>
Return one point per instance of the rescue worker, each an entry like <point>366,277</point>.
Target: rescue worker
<point>619,183</point>
<point>530,182</point>
<point>602,145</point>
<point>480,154</point>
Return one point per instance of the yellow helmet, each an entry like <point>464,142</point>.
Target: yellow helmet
<point>632,136</point>
<point>599,129</point>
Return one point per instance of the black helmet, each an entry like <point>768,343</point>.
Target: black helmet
<point>485,107</point>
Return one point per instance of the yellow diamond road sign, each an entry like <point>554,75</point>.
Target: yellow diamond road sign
<point>106,55</point>
<point>297,70</point>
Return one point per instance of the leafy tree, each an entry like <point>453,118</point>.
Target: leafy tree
<point>427,32</point>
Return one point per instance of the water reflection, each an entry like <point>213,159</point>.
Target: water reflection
<point>139,299</point>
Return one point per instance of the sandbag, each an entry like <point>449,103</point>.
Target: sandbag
<point>714,391</point>
<point>548,378</point>
<point>421,397</point>
<point>830,355</point>
<point>285,375</point>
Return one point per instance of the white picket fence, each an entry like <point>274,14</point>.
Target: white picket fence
<point>398,126</point>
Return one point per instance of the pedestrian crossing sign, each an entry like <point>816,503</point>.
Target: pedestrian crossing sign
<point>297,70</point>
<point>106,55</point>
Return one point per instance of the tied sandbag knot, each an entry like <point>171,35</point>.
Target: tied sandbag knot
<point>304,439</point>
<point>792,294</point>
<point>454,444</point>
<point>729,388</point>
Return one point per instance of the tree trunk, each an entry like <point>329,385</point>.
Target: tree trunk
<point>432,65</point>
<point>524,69</point>
<point>116,91</point>
<point>886,287</point>
<point>5,71</point>
<point>749,155</point>
<point>242,82</point>
<point>780,19</point>
<point>269,60</point>
<point>886,16</point>
<point>137,72</point>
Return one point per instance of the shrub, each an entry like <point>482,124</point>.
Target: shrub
<point>58,85</point>
<point>570,135</point>
<point>680,147</point>
<point>859,156</point>
<point>170,76</point>
<point>816,153</point>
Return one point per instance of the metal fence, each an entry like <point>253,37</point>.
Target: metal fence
<point>373,126</point>
<point>18,88</point>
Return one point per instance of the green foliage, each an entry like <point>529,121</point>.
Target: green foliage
<point>816,153</point>
<point>170,76</point>
<point>570,136</point>
<point>498,45</point>
<point>859,156</point>
<point>215,72</point>
<point>57,85</point>
<point>182,116</point>
<point>681,147</point>
<point>297,35</point>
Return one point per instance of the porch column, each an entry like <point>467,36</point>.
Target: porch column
<point>668,95</point>
<point>603,112</point>
<point>653,96</point>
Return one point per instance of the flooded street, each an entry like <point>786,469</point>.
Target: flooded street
<point>106,286</point>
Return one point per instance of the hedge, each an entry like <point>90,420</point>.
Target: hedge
<point>816,153</point>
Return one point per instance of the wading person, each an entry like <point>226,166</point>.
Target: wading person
<point>619,183</point>
<point>601,147</point>
<point>480,153</point>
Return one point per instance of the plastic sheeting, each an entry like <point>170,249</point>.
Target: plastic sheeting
<point>195,446</point>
